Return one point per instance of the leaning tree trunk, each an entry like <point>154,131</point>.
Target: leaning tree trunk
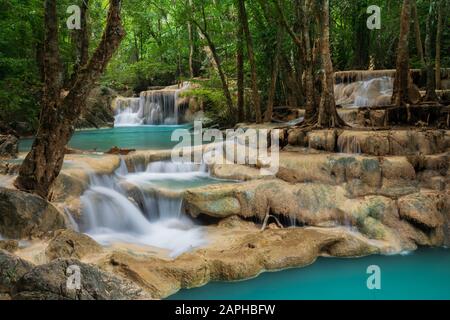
<point>218,65</point>
<point>438,43</point>
<point>251,56</point>
<point>303,42</point>
<point>402,77</point>
<point>430,95</point>
<point>43,163</point>
<point>327,116</point>
<point>274,77</point>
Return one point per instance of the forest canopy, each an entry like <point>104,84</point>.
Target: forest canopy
<point>164,44</point>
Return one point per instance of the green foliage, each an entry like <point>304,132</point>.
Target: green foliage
<point>155,51</point>
<point>213,102</point>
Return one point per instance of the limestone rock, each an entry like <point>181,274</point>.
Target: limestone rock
<point>25,215</point>
<point>70,244</point>
<point>9,146</point>
<point>49,282</point>
<point>12,268</point>
<point>424,207</point>
<point>9,245</point>
<point>322,140</point>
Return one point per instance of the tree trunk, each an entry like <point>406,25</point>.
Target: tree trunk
<point>328,116</point>
<point>240,76</point>
<point>81,39</point>
<point>222,76</point>
<point>431,77</point>
<point>361,40</point>
<point>418,37</point>
<point>191,46</point>
<point>402,77</point>
<point>440,18</point>
<point>44,162</point>
<point>273,79</point>
<point>251,56</point>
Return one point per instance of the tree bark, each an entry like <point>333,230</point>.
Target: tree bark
<point>402,77</point>
<point>438,43</point>
<point>44,162</point>
<point>251,56</point>
<point>431,77</point>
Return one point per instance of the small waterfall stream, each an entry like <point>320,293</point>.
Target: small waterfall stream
<point>365,93</point>
<point>114,212</point>
<point>154,107</point>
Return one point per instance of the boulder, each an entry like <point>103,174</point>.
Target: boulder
<point>9,146</point>
<point>98,112</point>
<point>9,245</point>
<point>70,244</point>
<point>322,140</point>
<point>49,282</point>
<point>423,209</point>
<point>12,268</point>
<point>25,215</point>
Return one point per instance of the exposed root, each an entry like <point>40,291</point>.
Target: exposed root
<point>266,220</point>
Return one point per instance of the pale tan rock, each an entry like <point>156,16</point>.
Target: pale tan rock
<point>70,244</point>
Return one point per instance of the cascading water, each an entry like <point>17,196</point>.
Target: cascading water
<point>154,107</point>
<point>366,93</point>
<point>114,212</point>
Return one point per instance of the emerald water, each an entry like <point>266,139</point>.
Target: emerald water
<point>424,274</point>
<point>131,137</point>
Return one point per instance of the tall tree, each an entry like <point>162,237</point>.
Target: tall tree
<point>240,75</point>
<point>203,28</point>
<point>243,18</point>
<point>81,42</point>
<point>431,77</point>
<point>273,79</point>
<point>402,76</point>
<point>327,116</point>
<point>440,24</point>
<point>58,114</point>
<point>418,37</point>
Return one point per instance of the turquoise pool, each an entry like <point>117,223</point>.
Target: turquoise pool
<point>424,274</point>
<point>140,137</point>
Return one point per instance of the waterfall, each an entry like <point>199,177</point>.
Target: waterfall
<point>113,212</point>
<point>366,93</point>
<point>348,144</point>
<point>128,112</point>
<point>154,107</point>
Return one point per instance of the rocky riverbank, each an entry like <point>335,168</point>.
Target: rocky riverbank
<point>337,193</point>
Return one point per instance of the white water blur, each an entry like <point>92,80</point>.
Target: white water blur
<point>110,215</point>
<point>367,93</point>
<point>349,144</point>
<point>154,107</point>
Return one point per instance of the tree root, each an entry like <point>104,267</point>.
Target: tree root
<point>266,220</point>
